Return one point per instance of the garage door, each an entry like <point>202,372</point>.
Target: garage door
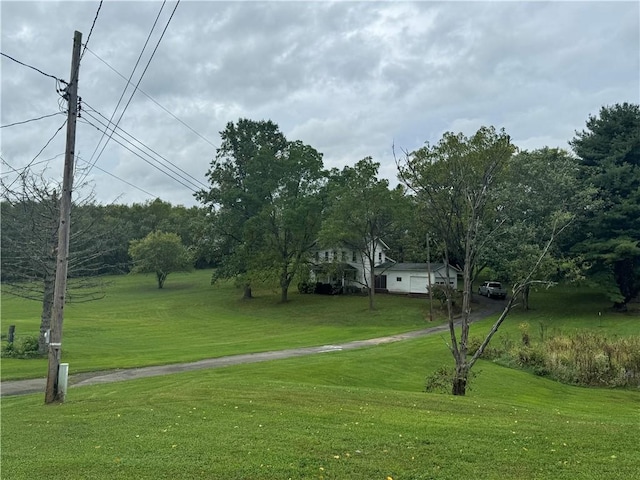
<point>418,284</point>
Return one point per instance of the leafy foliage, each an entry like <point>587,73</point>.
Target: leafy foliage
<point>160,253</point>
<point>608,237</point>
<point>361,211</point>
<point>457,181</point>
<point>264,203</point>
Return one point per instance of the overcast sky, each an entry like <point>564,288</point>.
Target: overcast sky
<point>350,79</point>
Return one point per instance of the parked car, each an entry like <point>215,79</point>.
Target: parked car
<point>492,290</point>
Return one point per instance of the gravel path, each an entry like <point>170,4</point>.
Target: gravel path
<point>37,385</point>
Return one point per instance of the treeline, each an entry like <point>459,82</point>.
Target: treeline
<point>271,202</point>
<point>100,235</point>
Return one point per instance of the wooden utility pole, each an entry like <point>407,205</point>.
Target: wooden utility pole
<point>52,393</point>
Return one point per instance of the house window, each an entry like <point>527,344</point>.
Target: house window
<point>344,256</point>
<point>353,256</point>
<point>379,256</point>
<point>317,256</point>
<point>398,279</point>
<point>335,255</point>
<point>326,256</point>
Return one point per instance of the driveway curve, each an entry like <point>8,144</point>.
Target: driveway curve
<point>37,385</point>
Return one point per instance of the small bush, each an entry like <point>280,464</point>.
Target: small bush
<point>306,287</point>
<point>23,347</point>
<point>440,381</point>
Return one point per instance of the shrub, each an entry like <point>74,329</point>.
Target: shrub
<point>491,352</point>
<point>23,347</point>
<point>306,287</point>
<point>441,381</point>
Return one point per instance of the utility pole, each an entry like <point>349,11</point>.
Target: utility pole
<point>52,393</point>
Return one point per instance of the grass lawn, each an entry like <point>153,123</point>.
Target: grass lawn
<point>358,414</point>
<point>137,324</point>
<point>341,415</point>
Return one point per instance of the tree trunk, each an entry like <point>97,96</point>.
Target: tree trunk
<point>285,281</point>
<point>525,297</point>
<point>161,278</point>
<point>247,292</point>
<point>459,386</point>
<point>372,284</point>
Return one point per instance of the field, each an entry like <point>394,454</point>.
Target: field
<point>341,415</point>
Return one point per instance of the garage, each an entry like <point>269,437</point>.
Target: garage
<point>418,284</point>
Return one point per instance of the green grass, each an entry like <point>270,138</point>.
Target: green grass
<point>137,324</point>
<point>358,414</point>
<point>343,415</point>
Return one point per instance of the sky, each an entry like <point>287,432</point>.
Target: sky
<point>351,79</point>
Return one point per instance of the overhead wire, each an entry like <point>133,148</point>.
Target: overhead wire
<point>95,19</point>
<point>120,179</point>
<point>30,120</point>
<point>33,68</point>
<point>121,143</point>
<point>41,150</point>
<point>22,170</point>
<point>154,100</point>
<point>165,162</point>
<point>93,155</point>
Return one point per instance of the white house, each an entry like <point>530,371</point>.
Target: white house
<point>346,267</point>
<point>414,277</point>
<point>343,267</point>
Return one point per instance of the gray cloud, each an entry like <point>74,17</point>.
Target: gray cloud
<point>349,78</point>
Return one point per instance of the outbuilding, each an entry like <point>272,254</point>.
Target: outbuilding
<point>413,278</point>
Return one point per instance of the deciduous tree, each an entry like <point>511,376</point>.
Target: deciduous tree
<point>242,184</point>
<point>264,203</point>
<point>30,219</point>
<point>362,210</point>
<point>457,180</point>
<point>160,253</point>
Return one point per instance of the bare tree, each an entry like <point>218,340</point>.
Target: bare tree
<point>30,219</point>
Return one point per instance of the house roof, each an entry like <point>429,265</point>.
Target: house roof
<point>413,267</point>
<point>324,266</point>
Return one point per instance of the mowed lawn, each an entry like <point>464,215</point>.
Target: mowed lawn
<point>339,415</point>
<point>137,324</point>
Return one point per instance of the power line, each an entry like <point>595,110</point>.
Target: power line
<point>22,170</point>
<point>33,68</point>
<point>153,100</point>
<point>91,159</point>
<point>30,120</point>
<point>41,150</point>
<point>170,165</point>
<point>118,178</point>
<point>91,30</point>
<point>189,187</point>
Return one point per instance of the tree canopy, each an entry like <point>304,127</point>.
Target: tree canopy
<point>609,235</point>
<point>263,203</point>
<point>361,210</point>
<point>160,253</point>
